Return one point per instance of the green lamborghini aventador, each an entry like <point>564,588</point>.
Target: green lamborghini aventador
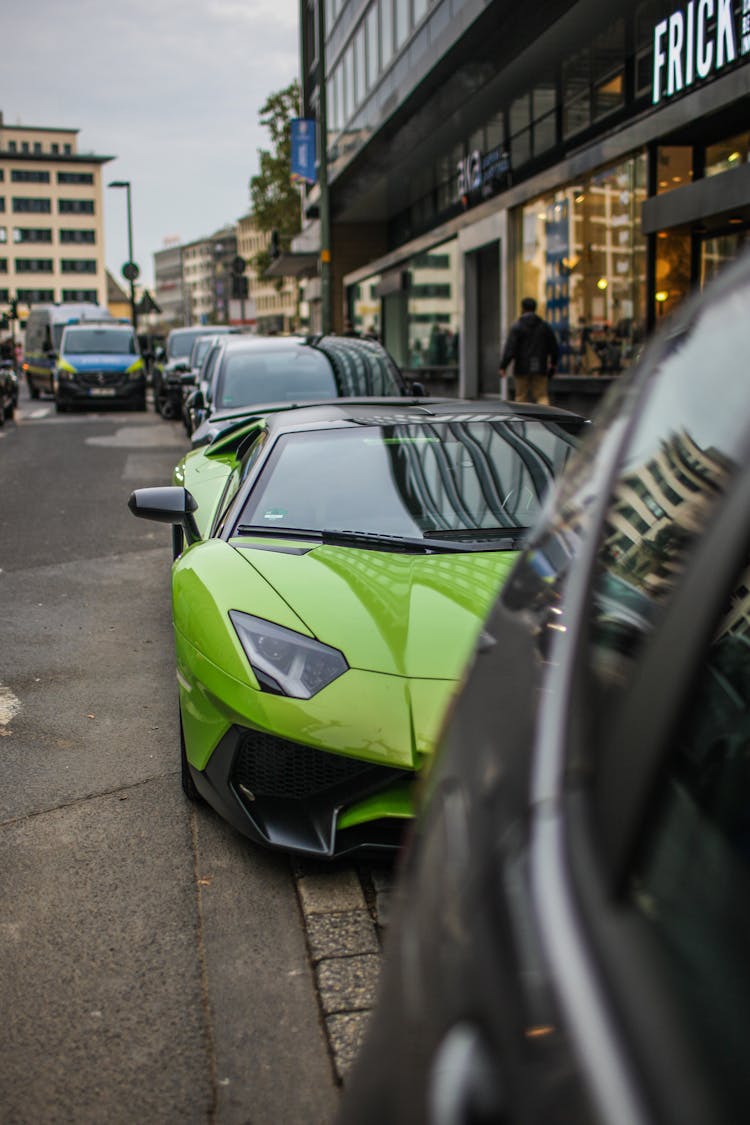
<point>334,564</point>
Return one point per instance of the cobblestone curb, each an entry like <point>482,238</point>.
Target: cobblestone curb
<point>342,938</point>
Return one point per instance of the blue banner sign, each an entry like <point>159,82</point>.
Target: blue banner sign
<point>303,149</point>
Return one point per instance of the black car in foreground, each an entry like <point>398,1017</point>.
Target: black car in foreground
<point>571,940</point>
<point>242,373</point>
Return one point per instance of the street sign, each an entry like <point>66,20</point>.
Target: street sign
<point>238,266</point>
<point>130,271</point>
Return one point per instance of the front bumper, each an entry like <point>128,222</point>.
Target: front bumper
<point>293,797</point>
<point>102,389</point>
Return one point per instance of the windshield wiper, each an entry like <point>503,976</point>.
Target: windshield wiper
<point>376,540</point>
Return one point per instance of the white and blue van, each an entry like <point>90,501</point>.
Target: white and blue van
<point>43,332</point>
<point>98,364</point>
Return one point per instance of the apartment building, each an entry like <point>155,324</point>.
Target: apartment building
<point>168,285</point>
<point>51,217</point>
<point>207,277</point>
<point>276,301</point>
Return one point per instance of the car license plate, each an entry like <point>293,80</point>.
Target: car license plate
<point>101,391</point>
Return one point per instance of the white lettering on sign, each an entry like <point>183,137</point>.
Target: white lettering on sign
<point>696,41</point>
<point>469,173</point>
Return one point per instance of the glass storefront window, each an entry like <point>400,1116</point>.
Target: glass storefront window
<point>674,167</point>
<point>415,314</point>
<point>583,257</point>
<point>718,252</point>
<point>432,308</point>
<point>672,271</point>
<point>727,154</point>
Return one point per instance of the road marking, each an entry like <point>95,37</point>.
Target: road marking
<point>9,707</point>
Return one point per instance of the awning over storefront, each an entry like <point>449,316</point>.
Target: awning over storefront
<point>290,264</point>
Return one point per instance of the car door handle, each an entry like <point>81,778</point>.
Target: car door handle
<point>464,1087</point>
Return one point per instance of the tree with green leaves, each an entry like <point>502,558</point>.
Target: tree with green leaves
<point>274,199</point>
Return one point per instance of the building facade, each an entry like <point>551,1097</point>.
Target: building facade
<point>168,286</point>
<point>593,156</point>
<point>51,218</point>
<point>275,301</point>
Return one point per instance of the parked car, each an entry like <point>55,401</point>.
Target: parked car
<point>173,362</point>
<point>334,565</point>
<point>8,390</point>
<point>250,371</point>
<point>99,364</point>
<point>45,325</point>
<point>570,941</point>
<point>192,378</point>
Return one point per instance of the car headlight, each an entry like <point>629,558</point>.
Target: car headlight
<point>285,662</point>
<point>65,370</point>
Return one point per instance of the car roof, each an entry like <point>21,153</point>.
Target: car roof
<point>281,343</point>
<point>347,412</point>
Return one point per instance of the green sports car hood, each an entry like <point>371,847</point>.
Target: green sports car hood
<point>417,616</point>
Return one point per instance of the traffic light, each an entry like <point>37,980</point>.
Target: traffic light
<point>239,287</point>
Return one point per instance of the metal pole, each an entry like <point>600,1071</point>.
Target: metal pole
<point>133,313</point>
<point>325,218</point>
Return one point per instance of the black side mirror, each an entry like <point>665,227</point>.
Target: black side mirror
<point>167,504</point>
<point>418,390</point>
<point>187,378</point>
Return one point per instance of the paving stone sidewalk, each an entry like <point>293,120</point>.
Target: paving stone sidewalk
<point>344,911</point>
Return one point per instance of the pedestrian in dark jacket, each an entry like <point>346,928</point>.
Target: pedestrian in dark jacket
<point>533,349</point>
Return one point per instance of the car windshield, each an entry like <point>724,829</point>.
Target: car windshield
<point>99,341</point>
<point>412,479</point>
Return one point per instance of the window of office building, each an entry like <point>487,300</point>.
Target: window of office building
<point>728,154</point>
<point>373,46</point>
<point>78,265</point>
<point>34,296</point>
<point>32,234</point>
<point>3,234</point>
<point>88,236</point>
<point>583,258</point>
<point>29,176</point>
<point>80,295</point>
<point>2,203</point>
<point>38,206</point>
<point>386,32</point>
<point>402,23</point>
<point>76,206</point>
<point>360,71</point>
<point>33,265</point>
<point>3,265</point>
<point>75,177</point>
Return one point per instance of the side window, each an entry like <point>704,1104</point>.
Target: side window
<point>208,371</point>
<point>691,880</point>
<point>247,456</point>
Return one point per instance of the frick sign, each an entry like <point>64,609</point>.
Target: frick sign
<point>695,42</point>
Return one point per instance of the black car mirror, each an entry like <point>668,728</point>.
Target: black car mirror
<point>417,389</point>
<point>167,504</point>
<point>187,378</point>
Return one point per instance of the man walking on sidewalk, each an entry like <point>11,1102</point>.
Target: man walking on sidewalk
<point>533,349</point>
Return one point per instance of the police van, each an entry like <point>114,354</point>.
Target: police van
<point>99,363</point>
<point>44,329</point>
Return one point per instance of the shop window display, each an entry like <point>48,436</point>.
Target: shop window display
<point>583,257</point>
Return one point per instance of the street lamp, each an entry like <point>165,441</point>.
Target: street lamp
<point>130,269</point>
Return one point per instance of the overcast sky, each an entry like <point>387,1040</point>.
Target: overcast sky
<point>170,88</point>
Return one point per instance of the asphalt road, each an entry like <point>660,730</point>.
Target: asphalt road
<point>155,967</point>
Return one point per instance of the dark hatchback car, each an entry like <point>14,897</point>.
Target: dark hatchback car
<point>243,373</point>
<point>173,362</point>
<point>571,941</point>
